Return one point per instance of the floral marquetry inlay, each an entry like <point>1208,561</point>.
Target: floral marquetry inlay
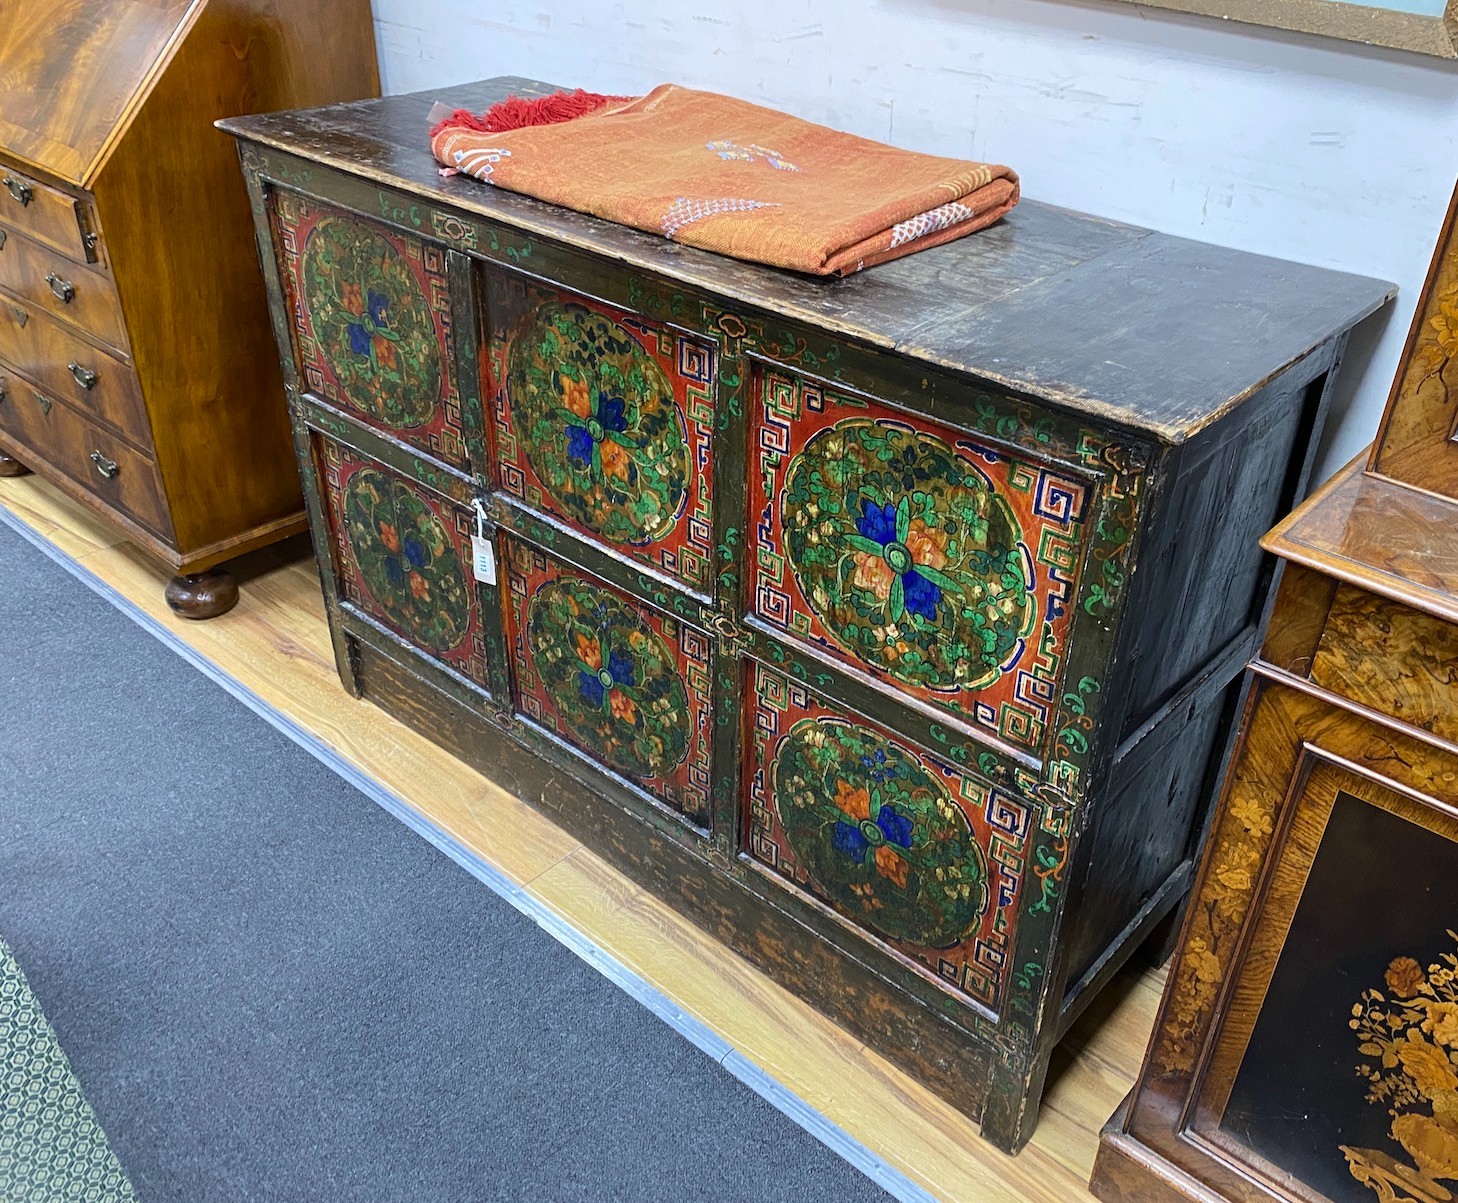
<point>626,685</point>
<point>926,555</point>
<point>372,323</point>
<point>604,419</point>
<point>1406,1030</point>
<point>903,846</point>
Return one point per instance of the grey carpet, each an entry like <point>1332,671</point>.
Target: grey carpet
<point>271,990</point>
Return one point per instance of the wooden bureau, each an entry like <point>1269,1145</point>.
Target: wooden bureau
<point>1300,1054</point>
<point>135,365</point>
<point>889,627</point>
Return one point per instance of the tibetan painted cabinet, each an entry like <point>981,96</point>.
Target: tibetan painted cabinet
<point>889,627</point>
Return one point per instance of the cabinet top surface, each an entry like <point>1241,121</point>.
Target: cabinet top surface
<point>73,72</point>
<point>1127,325</point>
<point>1380,535</point>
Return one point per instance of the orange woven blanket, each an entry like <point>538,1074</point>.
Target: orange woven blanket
<point>732,177</point>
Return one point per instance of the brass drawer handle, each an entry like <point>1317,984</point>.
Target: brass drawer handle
<point>106,467</point>
<point>42,400</point>
<point>63,290</point>
<point>85,377</point>
<point>3,236</point>
<point>3,393</point>
<point>19,189</point>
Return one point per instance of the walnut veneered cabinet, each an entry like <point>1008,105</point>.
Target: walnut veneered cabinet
<point>886,626</point>
<point>136,368</point>
<point>1306,1049</point>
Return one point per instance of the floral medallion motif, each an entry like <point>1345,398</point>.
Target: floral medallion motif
<point>907,554</point>
<point>598,422</point>
<point>610,676</point>
<point>372,322</point>
<point>407,560</point>
<point>879,834</point>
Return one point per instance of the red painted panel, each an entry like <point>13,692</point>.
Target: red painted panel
<point>916,552</point>
<point>403,556</point>
<point>372,323</point>
<point>924,859</point>
<point>626,684</point>
<point>604,419</point>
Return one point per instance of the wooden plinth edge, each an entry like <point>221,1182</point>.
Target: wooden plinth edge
<point>1126,1171</point>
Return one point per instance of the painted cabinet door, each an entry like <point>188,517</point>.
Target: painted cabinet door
<point>924,859</point>
<point>603,420</point>
<point>941,565</point>
<point>371,323</point>
<point>403,557</point>
<point>624,684</point>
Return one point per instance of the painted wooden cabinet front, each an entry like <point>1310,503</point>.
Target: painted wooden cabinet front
<point>623,683</point>
<point>372,323</point>
<point>939,563</point>
<point>603,419</point>
<point>925,857</point>
<point>403,556</point>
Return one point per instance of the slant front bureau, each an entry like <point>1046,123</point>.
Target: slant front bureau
<point>890,628</point>
<point>135,366</point>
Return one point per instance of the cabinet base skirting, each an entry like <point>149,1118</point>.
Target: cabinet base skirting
<point>946,1059</point>
<point>1126,1171</point>
<point>193,561</point>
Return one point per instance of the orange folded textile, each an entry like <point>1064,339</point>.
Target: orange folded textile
<point>732,177</point>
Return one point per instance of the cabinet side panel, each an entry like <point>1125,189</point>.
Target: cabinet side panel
<point>1203,578</point>
<point>1146,826</point>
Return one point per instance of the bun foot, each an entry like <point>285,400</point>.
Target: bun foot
<point>203,595</point>
<point>12,467</point>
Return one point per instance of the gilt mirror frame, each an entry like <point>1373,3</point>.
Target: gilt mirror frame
<point>1423,26</point>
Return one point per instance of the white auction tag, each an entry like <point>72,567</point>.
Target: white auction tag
<point>483,554</point>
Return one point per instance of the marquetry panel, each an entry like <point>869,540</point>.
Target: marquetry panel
<point>371,316</point>
<point>403,556</point>
<point>1392,658</point>
<point>604,420</point>
<point>908,849</point>
<point>939,563</point>
<point>626,684</point>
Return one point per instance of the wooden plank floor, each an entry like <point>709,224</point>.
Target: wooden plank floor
<point>276,643</point>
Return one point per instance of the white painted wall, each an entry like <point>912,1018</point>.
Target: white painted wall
<point>1301,147</point>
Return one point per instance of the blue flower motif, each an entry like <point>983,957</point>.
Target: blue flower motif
<point>579,445</point>
<point>920,595</point>
<point>609,417</point>
<point>848,839</point>
<point>359,339</point>
<point>414,551</point>
<point>895,827</point>
<point>611,413</point>
<point>379,307</point>
<point>875,766</point>
<point>877,522</point>
<point>395,571</point>
<point>620,668</point>
<point>591,689</point>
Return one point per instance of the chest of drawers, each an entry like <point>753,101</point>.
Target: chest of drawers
<point>887,627</point>
<point>135,364</point>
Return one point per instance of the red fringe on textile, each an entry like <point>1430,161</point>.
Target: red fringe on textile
<point>518,112</point>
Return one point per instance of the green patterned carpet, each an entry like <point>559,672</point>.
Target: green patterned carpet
<point>52,1150</point>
